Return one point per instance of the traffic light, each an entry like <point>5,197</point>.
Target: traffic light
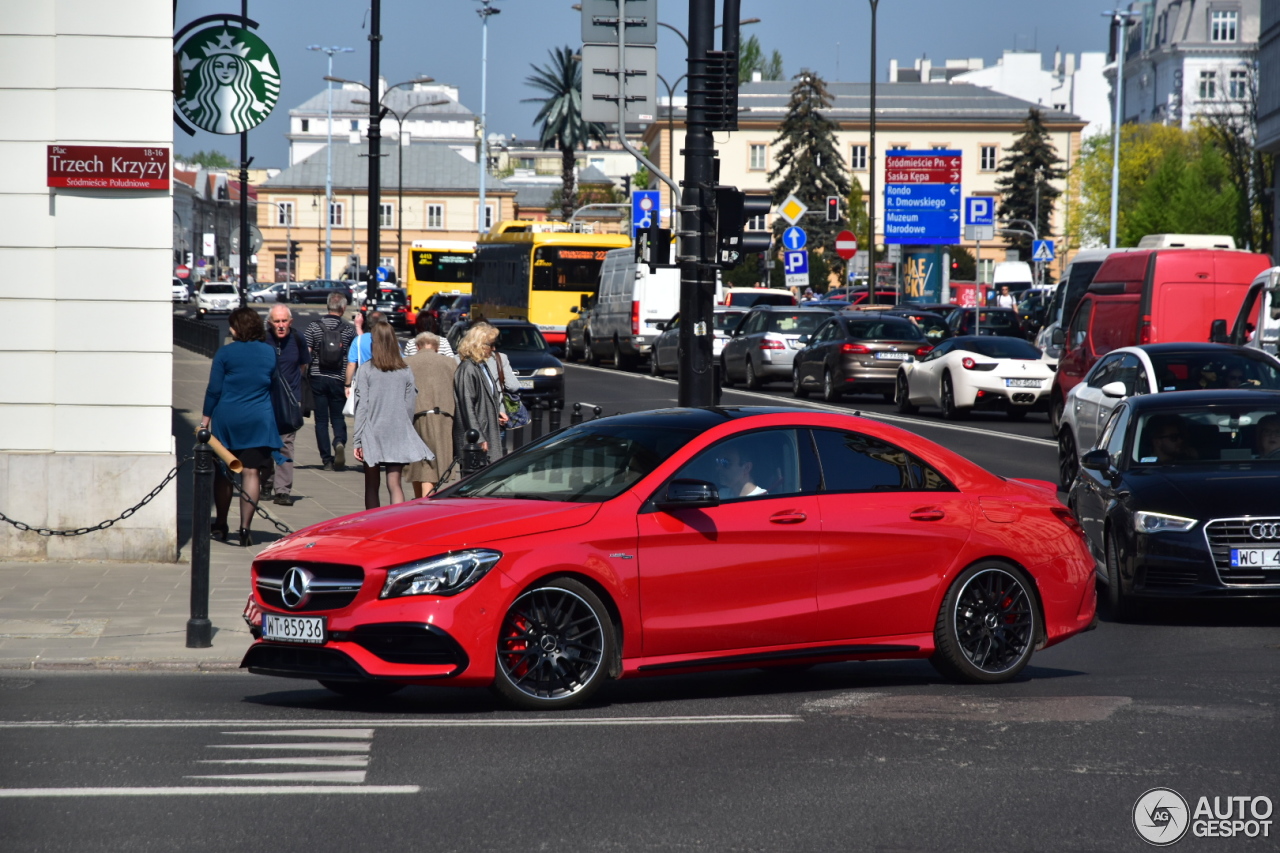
<point>653,245</point>
<point>294,248</point>
<point>734,210</point>
<point>833,208</point>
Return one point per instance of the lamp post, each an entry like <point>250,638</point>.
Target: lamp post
<point>486,11</point>
<point>1122,19</point>
<point>872,279</point>
<point>328,153</point>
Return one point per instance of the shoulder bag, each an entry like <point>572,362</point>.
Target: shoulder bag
<point>285,404</point>
<point>517,412</point>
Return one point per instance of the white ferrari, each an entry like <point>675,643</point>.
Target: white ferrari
<point>966,373</point>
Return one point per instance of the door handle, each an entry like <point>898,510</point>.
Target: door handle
<point>788,517</point>
<point>927,513</point>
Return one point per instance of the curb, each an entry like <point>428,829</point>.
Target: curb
<point>117,665</point>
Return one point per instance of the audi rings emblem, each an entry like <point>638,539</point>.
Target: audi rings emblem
<point>1267,530</point>
<point>295,589</point>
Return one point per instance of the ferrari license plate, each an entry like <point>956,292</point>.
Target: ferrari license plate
<point>1255,558</point>
<point>292,629</point>
<point>893,356</point>
<point>1022,383</point>
<point>526,384</point>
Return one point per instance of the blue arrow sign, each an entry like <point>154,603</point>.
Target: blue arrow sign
<point>645,205</point>
<point>794,238</point>
<point>979,210</point>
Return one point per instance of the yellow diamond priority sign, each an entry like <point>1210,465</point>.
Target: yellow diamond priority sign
<point>792,209</point>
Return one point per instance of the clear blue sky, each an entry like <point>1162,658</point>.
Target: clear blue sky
<point>441,39</point>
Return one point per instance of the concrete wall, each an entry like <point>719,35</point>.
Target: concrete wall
<point>85,408</point>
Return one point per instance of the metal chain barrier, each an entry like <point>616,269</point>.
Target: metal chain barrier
<point>281,526</point>
<point>80,531</point>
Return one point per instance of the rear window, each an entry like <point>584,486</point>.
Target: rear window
<point>1002,348</point>
<point>886,330</point>
<point>396,296</point>
<point>763,296</point>
<point>799,323</point>
<point>996,318</point>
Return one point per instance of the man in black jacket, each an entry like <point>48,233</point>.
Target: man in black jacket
<point>292,357</point>
<point>329,338</point>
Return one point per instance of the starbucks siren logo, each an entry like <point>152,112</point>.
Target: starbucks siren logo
<point>231,80</point>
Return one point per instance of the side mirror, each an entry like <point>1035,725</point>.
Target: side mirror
<point>1097,459</point>
<point>573,309</point>
<point>1059,337</point>
<point>661,326</point>
<point>1218,332</point>
<point>1115,390</point>
<point>689,494</point>
<point>803,339</point>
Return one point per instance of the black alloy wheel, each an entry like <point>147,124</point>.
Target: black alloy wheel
<point>555,647</point>
<point>950,410</point>
<point>752,381</point>
<point>830,393</point>
<point>1121,605</point>
<point>986,629</point>
<point>797,388</point>
<point>903,398</point>
<point>1068,459</point>
<point>363,689</point>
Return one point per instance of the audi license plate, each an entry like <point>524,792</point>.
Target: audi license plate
<point>893,356</point>
<point>1255,558</point>
<point>1022,383</point>
<point>292,629</point>
<point>526,384</point>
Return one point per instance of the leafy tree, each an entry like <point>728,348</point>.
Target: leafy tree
<point>1186,196</point>
<point>748,273</point>
<point>1031,159</point>
<point>773,68</point>
<point>1233,127</point>
<point>561,116</point>
<point>751,59</point>
<point>963,265</point>
<point>208,159</point>
<point>810,166</point>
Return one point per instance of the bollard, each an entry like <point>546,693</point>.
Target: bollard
<point>575,417</point>
<point>474,456</point>
<point>553,416</point>
<point>596,411</point>
<point>535,420</point>
<point>199,628</point>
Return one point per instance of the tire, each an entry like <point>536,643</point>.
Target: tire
<point>1068,458</point>
<point>620,361</point>
<point>1015,414</point>
<point>889,396</point>
<point>950,410</point>
<point>363,689</point>
<point>903,397</point>
<point>296,299</point>
<point>1121,606</point>
<point>830,393</point>
<point>751,380</point>
<point>797,390</point>
<point>555,647</point>
<point>654,369</point>
<point>986,628</point>
<point>1055,413</point>
<point>589,353</point>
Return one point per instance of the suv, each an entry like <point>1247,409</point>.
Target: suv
<point>181,292</point>
<point>217,297</point>
<point>318,291</point>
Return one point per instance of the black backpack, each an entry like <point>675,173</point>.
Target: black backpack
<point>332,355</point>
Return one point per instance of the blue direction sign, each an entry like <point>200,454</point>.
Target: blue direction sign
<point>1042,250</point>
<point>979,210</point>
<point>794,238</point>
<point>922,197</point>
<point>644,206</point>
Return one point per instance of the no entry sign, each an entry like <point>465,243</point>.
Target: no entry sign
<point>846,244</point>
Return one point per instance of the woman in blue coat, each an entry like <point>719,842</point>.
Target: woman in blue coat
<point>238,403</point>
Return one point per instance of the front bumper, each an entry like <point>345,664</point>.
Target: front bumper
<point>379,651</point>
<point>1180,565</point>
<point>545,389</point>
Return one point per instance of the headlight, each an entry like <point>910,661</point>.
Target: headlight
<point>447,574</point>
<point>1158,522</point>
<point>548,371</point>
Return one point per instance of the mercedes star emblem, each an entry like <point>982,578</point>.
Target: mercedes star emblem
<point>295,589</point>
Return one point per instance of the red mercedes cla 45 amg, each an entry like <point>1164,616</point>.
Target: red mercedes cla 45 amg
<point>675,541</point>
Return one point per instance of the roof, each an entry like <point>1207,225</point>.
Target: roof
<point>398,100</point>
<point>698,420</point>
<point>429,166</point>
<point>1184,400</point>
<point>534,196</point>
<point>592,175</point>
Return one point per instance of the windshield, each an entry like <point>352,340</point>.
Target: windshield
<point>886,330</point>
<point>1001,348</point>
<point>1193,371</point>
<point>1208,436</point>
<point>219,288</point>
<point>443,267</point>
<point>396,296</point>
<point>726,321</point>
<point>587,464</point>
<point>799,323</point>
<point>520,339</point>
<point>567,268</point>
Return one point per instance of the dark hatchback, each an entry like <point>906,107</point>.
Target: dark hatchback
<point>1181,498</point>
<point>318,290</point>
<point>541,374</point>
<point>393,302</point>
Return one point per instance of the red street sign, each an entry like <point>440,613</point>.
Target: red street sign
<point>107,167</point>
<point>182,271</point>
<point>846,244</point>
<point>894,175</point>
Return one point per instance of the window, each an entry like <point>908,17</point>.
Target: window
<point>986,268</point>
<point>858,158</point>
<point>284,213</point>
<point>940,147</point>
<point>987,153</point>
<point>355,124</point>
<point>853,462</point>
<point>525,163</point>
<point>386,214</point>
<point>598,162</point>
<point>898,146</point>
<point>489,214</point>
<point>1238,85</point>
<point>1080,325</point>
<point>1208,85</point>
<point>758,158</point>
<point>306,125</point>
<point>756,223</point>
<point>435,216</point>
<point>1222,26</point>
<point>757,464</point>
<point>336,211</point>
<point>1114,435</point>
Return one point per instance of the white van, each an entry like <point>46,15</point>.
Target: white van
<point>1187,241</point>
<point>1016,274</point>
<point>630,306</point>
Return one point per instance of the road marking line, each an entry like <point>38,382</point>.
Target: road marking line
<point>324,747</point>
<point>352,777</point>
<point>536,722</point>
<point>339,733</point>
<point>196,791</point>
<point>311,761</point>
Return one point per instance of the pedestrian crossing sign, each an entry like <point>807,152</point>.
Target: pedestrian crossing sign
<point>1042,251</point>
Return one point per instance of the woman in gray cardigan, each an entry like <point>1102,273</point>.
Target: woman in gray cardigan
<point>385,395</point>
<point>477,393</point>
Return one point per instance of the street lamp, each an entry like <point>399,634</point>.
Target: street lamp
<point>486,11</point>
<point>328,169</point>
<point>1123,19</point>
<point>872,279</point>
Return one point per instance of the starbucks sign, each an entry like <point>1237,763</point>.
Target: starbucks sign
<point>230,79</point>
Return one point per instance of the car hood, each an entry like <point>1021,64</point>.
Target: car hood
<point>526,361</point>
<point>1204,492</point>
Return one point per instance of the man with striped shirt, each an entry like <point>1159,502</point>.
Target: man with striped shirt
<point>329,338</point>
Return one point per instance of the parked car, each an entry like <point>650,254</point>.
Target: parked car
<point>665,356</point>
<point>630,304</point>
<point>318,290</point>
<point>679,541</point>
<point>438,303</point>
<point>855,353</point>
<point>1033,308</point>
<point>746,297</point>
<point>575,331</point>
<point>217,297</point>
<point>278,292</point>
<point>1001,322</point>
<point>1152,369</point>
<point>453,320</point>
<point>393,302</point>
<point>1179,498</point>
<point>966,373</point>
<point>541,374</point>
<point>181,290</point>
<point>764,343</point>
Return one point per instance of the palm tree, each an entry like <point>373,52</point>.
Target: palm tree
<point>561,115</point>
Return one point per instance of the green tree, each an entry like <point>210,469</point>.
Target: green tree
<point>751,59</point>
<point>963,265</point>
<point>562,125</point>
<point>1191,194</point>
<point>1233,127</point>
<point>856,211</point>
<point>208,159</point>
<point>1032,161</point>
<point>809,165</point>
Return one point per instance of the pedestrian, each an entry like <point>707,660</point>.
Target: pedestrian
<point>292,358</point>
<point>1006,299</point>
<point>385,397</point>
<point>329,339</point>
<point>433,411</point>
<point>429,324</point>
<point>477,394</point>
<point>237,402</point>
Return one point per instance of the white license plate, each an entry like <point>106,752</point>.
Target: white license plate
<point>1022,383</point>
<point>526,384</point>
<point>894,356</point>
<point>293,629</point>
<point>1255,558</point>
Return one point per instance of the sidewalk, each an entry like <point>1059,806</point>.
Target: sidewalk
<point>123,616</point>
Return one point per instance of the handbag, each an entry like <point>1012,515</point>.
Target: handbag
<point>285,404</point>
<point>517,412</point>
<point>349,407</point>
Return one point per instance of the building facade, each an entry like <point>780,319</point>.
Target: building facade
<point>1269,104</point>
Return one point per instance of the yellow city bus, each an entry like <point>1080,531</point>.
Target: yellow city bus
<point>537,271</point>
<point>436,265</point>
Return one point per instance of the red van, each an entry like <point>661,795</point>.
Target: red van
<point>1148,297</point>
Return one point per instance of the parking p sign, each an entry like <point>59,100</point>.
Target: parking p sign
<point>796,265</point>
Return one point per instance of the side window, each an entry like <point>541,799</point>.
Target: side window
<point>768,462</point>
<point>829,332</point>
<point>1126,371</point>
<point>1104,372</point>
<point>853,462</point>
<point>755,323</point>
<point>940,350</point>
<point>1080,325</point>
<point>1114,434</point>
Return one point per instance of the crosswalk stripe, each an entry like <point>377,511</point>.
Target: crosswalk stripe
<point>209,791</point>
<point>329,747</point>
<point>354,777</point>
<point>352,734</point>
<point>304,760</point>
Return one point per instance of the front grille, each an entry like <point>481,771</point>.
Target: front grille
<point>301,662</point>
<point>1223,534</point>
<point>336,585</point>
